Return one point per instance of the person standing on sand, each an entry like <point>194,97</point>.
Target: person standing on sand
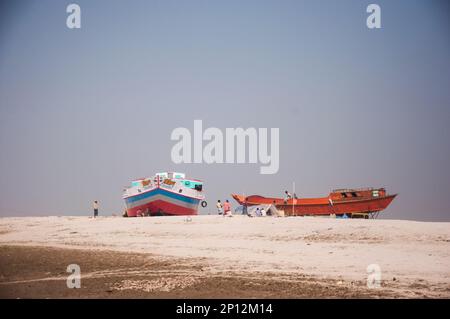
<point>244,209</point>
<point>95,205</point>
<point>226,208</point>
<point>219,207</point>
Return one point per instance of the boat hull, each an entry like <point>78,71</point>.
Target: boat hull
<point>320,206</point>
<point>160,201</point>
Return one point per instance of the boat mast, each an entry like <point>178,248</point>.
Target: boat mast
<point>293,195</point>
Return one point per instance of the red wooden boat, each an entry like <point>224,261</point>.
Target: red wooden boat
<point>361,202</point>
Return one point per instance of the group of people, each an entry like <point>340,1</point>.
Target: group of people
<point>224,209</point>
<point>259,212</point>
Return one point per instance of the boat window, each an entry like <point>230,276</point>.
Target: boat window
<point>180,191</point>
<point>344,194</point>
<point>354,194</point>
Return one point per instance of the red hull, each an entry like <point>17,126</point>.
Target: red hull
<point>161,201</point>
<point>160,206</point>
<point>360,204</point>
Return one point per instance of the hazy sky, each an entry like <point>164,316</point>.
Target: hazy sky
<point>82,112</point>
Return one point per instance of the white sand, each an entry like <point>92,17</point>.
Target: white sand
<point>412,252</point>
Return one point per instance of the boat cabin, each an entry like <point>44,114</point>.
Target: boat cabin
<point>356,193</point>
<point>170,178</point>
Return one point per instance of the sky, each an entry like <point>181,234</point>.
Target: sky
<point>85,111</point>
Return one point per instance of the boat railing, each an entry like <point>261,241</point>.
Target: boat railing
<point>348,190</point>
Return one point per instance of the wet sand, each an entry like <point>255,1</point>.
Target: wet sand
<point>216,257</point>
<point>39,272</point>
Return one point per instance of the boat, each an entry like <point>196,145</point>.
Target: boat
<point>353,202</point>
<point>166,193</point>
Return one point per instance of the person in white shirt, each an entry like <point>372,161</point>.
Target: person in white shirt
<point>287,197</point>
<point>96,206</point>
<point>219,207</point>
